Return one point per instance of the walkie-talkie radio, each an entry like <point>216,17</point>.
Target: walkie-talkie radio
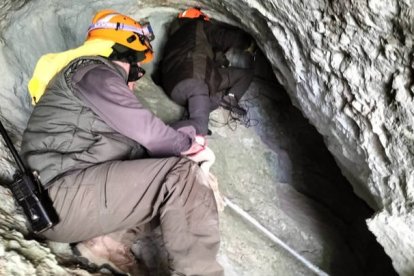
<point>29,193</point>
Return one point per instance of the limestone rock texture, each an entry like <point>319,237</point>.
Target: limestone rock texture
<point>347,65</point>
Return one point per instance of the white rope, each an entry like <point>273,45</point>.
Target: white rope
<point>275,239</point>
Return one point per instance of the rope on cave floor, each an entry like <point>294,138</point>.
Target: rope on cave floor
<point>275,239</point>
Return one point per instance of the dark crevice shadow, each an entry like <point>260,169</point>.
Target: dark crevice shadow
<point>306,165</point>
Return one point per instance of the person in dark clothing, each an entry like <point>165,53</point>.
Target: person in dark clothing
<point>109,165</point>
<point>194,70</point>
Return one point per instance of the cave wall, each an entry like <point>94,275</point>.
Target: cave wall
<point>347,65</point>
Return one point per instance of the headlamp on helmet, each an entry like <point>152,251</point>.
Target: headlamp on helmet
<point>123,30</point>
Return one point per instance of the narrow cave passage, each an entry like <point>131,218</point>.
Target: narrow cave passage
<point>278,170</point>
<point>313,192</point>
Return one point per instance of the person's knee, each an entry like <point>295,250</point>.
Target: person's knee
<point>184,165</point>
<point>186,174</point>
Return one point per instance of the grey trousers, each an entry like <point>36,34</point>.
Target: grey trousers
<point>194,95</point>
<point>119,197</point>
<point>199,101</point>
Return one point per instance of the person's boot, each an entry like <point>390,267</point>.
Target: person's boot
<point>229,102</point>
<point>105,252</point>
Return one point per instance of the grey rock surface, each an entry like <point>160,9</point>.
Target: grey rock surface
<point>347,65</point>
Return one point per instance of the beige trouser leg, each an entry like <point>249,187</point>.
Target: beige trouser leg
<point>121,196</point>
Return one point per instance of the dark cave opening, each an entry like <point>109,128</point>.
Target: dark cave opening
<point>312,171</point>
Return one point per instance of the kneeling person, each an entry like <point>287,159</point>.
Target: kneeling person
<point>89,138</point>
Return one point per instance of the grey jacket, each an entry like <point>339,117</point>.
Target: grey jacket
<point>89,116</point>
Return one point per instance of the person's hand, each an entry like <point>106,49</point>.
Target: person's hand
<point>198,145</point>
<point>205,158</point>
<point>201,154</point>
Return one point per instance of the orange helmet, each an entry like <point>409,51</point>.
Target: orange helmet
<point>111,25</point>
<point>193,13</point>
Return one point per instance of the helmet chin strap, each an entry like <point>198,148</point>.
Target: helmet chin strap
<point>135,72</point>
